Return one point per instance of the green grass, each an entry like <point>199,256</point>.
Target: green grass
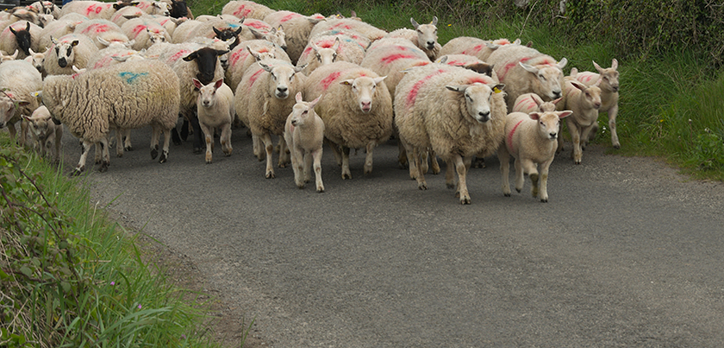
<point>69,277</point>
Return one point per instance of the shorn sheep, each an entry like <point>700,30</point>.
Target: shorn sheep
<point>262,99</point>
<point>304,135</point>
<point>46,134</point>
<point>356,109</point>
<point>525,70</point>
<point>584,101</point>
<point>609,94</point>
<point>215,108</point>
<point>124,96</point>
<point>531,140</point>
<point>459,114</point>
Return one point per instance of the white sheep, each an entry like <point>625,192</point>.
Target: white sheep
<point>468,62</point>
<point>262,31</point>
<point>356,109</point>
<point>90,9</point>
<point>145,32</point>
<point>525,70</point>
<point>184,30</point>
<point>124,96</point>
<point>215,108</point>
<point>127,13</point>
<point>6,58</point>
<point>609,94</point>
<point>69,50</point>
<point>22,36</point>
<point>46,7</point>
<point>458,113</point>
<point>390,57</point>
<point>531,102</point>
<point>158,8</point>
<point>57,29</point>
<point>531,140</point>
<point>424,37</point>
<point>19,80</point>
<point>297,28</point>
<point>243,56</point>
<point>101,28</point>
<point>36,58</point>
<point>246,9</point>
<point>473,46</point>
<point>46,133</point>
<point>262,99</point>
<point>367,30</point>
<point>584,101</point>
<point>326,49</point>
<point>304,134</point>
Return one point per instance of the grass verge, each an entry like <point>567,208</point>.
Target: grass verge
<point>69,277</point>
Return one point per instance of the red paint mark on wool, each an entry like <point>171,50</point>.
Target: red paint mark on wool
<point>236,56</point>
<point>521,102</point>
<point>325,44</point>
<point>96,28</point>
<point>138,29</point>
<point>254,77</point>
<point>510,137</point>
<point>481,79</point>
<point>342,25</point>
<point>256,24</point>
<point>178,55</point>
<point>105,61</point>
<point>327,81</point>
<point>416,87</point>
<point>143,5</point>
<point>242,12</point>
<point>473,50</point>
<point>455,63</point>
<point>289,16</point>
<point>510,66</point>
<point>393,57</point>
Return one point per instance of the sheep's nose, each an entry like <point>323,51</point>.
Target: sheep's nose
<point>484,115</point>
<point>431,44</point>
<point>556,94</point>
<point>282,89</point>
<point>554,135</point>
<point>294,122</point>
<point>596,105</point>
<point>206,103</point>
<point>614,88</point>
<point>366,106</point>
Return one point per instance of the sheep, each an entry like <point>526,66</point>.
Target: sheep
<point>531,102</point>
<point>125,96</point>
<point>215,109</point>
<point>46,7</point>
<point>246,9</point>
<point>158,8</point>
<point>367,30</point>
<point>69,50</point>
<point>101,28</point>
<point>179,9</point>
<point>46,133</point>
<point>113,54</point>
<point>356,36</point>
<point>243,56</point>
<point>458,113</point>
<point>390,56</point>
<point>473,46</point>
<point>424,37</point>
<point>127,13</point>
<point>22,36</point>
<point>217,28</point>
<point>468,62</point>
<point>263,31</point>
<point>90,9</point>
<point>19,80</point>
<point>183,30</point>
<point>531,140</point>
<point>36,58</point>
<point>304,134</point>
<point>357,109</point>
<point>7,58</point>
<point>262,99</point>
<point>145,33</point>
<point>56,29</point>
<point>609,94</point>
<point>297,28</point>
<point>584,101</point>
<point>327,49</point>
<point>525,70</point>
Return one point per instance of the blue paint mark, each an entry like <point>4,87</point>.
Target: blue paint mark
<point>232,25</point>
<point>130,77</point>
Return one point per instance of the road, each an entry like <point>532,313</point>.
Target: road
<point>627,253</point>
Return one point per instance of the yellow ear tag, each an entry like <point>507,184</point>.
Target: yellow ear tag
<point>496,90</point>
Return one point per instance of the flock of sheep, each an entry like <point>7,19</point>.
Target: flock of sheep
<point>99,66</point>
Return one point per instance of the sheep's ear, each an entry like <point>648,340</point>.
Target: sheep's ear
<point>217,31</point>
<point>377,80</point>
<point>498,88</point>
<point>15,55</point>
<point>459,89</point>
<point>314,102</point>
<point>31,51</point>
<point>442,60</point>
<point>104,41</point>
<point>230,41</point>
<point>221,52</point>
<point>132,16</point>
<point>253,53</point>
<point>26,118</point>
<point>564,114</point>
<point>614,64</point>
<point>529,68</point>
<point>197,83</point>
<point>37,94</point>
<point>598,82</point>
<point>349,82</point>
<point>53,40</point>
<point>23,103</point>
<point>517,42</point>
<point>574,72</point>
<point>598,67</point>
<point>300,68</point>
<point>534,115</point>
<point>298,97</point>
<point>414,23</point>
<point>238,31</point>
<point>74,43</point>
<point>280,29</point>
<point>434,21</point>
<point>335,47</point>
<point>557,100</point>
<point>267,68</point>
<point>190,57</point>
<point>27,27</point>
<point>579,85</point>
<point>120,59</point>
<point>257,35</point>
<point>491,46</point>
<point>12,30</point>
<point>218,83</point>
<point>562,63</point>
<point>481,68</point>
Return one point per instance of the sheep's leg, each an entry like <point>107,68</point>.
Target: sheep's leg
<point>58,143</point>
<point>410,158</point>
<point>197,133</point>
<point>560,138</point>
<point>433,162</point>
<point>269,146</point>
<point>585,132</point>
<point>461,169</point>
<point>106,157</point>
<point>317,157</point>
<point>504,158</point>
<point>612,113</point>
<point>335,151</point>
<point>155,134</point>
<point>209,139</point>
<point>258,147</point>
<point>119,141</point>
<point>368,159</point>
<point>283,153</point>
<point>81,163</point>
<point>576,138</point>
<point>450,175</point>
<point>298,165</point>
<point>402,157</point>
<point>530,168</point>
<point>346,174</point>
<point>166,143</point>
<point>308,159</point>
<point>544,179</point>
<point>98,154</point>
<point>226,139</point>
<point>421,182</point>
<point>127,140</point>
<point>22,139</point>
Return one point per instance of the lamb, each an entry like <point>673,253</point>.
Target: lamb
<point>609,94</point>
<point>327,49</point>
<point>36,58</point>
<point>215,109</point>
<point>473,46</point>
<point>243,56</point>
<point>125,96</point>
<point>304,134</point>
<point>145,32</point>
<point>367,30</point>
<point>424,37</point>
<point>46,133</point>
<point>585,102</point>
<point>297,28</point>
<point>531,102</point>
<point>246,9</point>
<point>19,80</point>
<point>69,50</point>
<point>101,28</point>
<point>22,36</point>
<point>531,140</point>
<point>90,9</point>
<point>357,109</point>
<point>525,70</point>
<point>262,100</point>
<point>458,113</point>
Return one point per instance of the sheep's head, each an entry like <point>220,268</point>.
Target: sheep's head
<point>275,36</point>
<point>478,99</point>
<point>548,122</point>
<point>179,9</point>
<point>282,78</point>
<point>262,55</point>
<point>206,59</point>
<point>160,8</point>
<point>36,59</point>
<point>302,111</point>
<point>591,94</point>
<point>22,36</point>
<point>156,36</point>
<point>4,58</point>
<point>609,76</point>
<point>426,33</point>
<point>64,51</point>
<point>363,89</point>
<point>207,92</point>
<point>547,80</point>
<point>228,33</point>
<point>41,122</point>
<point>326,55</point>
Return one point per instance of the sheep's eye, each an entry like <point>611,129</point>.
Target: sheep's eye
<point>334,57</point>
<point>542,77</point>
<point>419,31</point>
<point>305,112</point>
<point>435,32</point>
<point>541,123</point>
<point>291,77</point>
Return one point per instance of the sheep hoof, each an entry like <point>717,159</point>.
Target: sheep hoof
<point>128,148</point>
<point>175,137</point>
<point>300,186</point>
<point>320,189</point>
<point>270,175</point>
<point>465,200</point>
<point>544,200</point>
<point>164,157</point>
<point>616,146</point>
<point>450,186</point>
<point>104,167</point>
<point>517,189</point>
<point>506,194</point>
<point>77,171</point>
<point>479,163</point>
<point>154,154</point>
<point>422,187</point>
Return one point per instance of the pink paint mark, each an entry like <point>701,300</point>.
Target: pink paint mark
<point>289,17</point>
<point>254,77</point>
<point>138,29</point>
<point>327,81</point>
<point>178,55</point>
<point>143,5</point>
<point>517,106</point>
<point>325,44</point>
<point>473,51</point>
<point>342,25</point>
<point>416,87</point>
<point>238,56</point>
<point>256,24</point>
<point>480,79</point>
<point>96,28</point>
<point>242,12</point>
<point>510,66</point>
<point>510,137</point>
<point>455,63</point>
<point>397,56</point>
